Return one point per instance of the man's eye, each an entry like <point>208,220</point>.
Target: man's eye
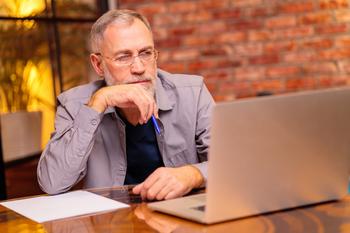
<point>146,53</point>
<point>123,58</point>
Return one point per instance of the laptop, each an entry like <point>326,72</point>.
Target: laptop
<point>272,153</point>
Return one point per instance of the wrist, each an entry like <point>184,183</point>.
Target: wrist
<point>97,103</point>
<point>197,177</point>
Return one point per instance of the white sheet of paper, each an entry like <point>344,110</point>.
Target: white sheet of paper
<point>47,208</point>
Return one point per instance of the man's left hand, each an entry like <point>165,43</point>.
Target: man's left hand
<point>168,183</point>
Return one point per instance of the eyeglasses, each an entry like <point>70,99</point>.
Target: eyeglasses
<point>127,59</point>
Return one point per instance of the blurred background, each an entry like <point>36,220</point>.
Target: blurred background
<point>242,48</point>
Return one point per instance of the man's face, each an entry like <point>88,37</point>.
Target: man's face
<point>122,40</point>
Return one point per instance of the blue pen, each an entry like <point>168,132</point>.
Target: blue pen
<point>155,124</point>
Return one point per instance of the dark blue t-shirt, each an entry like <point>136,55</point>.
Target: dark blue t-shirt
<point>142,152</point>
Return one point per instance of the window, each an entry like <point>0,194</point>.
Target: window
<point>44,51</point>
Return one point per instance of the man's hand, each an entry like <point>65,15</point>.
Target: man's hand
<point>157,221</point>
<point>167,183</point>
<point>125,96</point>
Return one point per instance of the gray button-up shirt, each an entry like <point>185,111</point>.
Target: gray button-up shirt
<point>89,144</point>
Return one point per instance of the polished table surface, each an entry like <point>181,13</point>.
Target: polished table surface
<point>329,217</point>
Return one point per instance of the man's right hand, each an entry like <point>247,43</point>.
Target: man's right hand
<point>125,96</point>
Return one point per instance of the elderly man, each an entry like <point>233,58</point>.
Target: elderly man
<point>104,130</point>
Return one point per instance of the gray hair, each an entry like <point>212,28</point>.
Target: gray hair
<point>112,16</point>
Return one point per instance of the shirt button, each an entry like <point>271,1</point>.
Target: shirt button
<point>94,122</point>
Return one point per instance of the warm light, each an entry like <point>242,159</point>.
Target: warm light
<point>37,80</point>
<point>31,80</point>
<point>24,8</point>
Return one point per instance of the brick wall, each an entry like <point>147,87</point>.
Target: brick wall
<point>243,47</point>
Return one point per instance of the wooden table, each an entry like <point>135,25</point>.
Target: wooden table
<point>329,217</point>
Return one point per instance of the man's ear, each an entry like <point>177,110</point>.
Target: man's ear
<point>96,63</point>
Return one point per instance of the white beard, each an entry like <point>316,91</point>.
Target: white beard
<point>110,82</point>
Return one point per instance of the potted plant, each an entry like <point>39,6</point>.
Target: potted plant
<point>25,88</point>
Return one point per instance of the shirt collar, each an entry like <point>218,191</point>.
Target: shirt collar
<point>163,100</point>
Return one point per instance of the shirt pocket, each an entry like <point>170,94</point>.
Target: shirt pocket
<point>183,157</point>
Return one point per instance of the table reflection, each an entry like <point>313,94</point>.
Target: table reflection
<point>165,224</point>
<point>116,221</point>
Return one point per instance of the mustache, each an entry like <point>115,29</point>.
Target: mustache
<point>135,79</point>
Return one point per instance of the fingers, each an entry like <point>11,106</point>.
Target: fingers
<point>143,101</point>
<point>137,189</point>
<point>155,110</point>
<point>153,182</point>
<point>164,192</point>
<point>170,195</point>
<point>131,96</point>
<point>159,189</point>
<point>165,183</point>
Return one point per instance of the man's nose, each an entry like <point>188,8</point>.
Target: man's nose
<point>137,67</point>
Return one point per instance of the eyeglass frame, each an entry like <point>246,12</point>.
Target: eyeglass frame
<point>114,60</point>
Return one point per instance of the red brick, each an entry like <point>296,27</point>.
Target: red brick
<point>264,59</point>
<point>261,35</point>
<point>182,6</point>
<point>316,43</point>
<point>259,44</point>
<point>225,98</point>
<point>231,37</point>
<point>173,67</point>
<point>160,33</point>
<point>218,74</point>
<point>296,7</point>
<point>198,17</point>
<point>167,43</point>
<point>251,49</point>
<point>333,54</point>
<point>331,81</point>
<point>227,14</point>
<point>185,54</point>
<point>279,46</point>
<point>163,56</point>
<point>226,63</point>
<point>322,68</point>
<point>267,85</point>
<point>131,1</point>
<point>249,73</point>
<point>302,31</point>
<point>344,66</point>
<point>212,86</point>
<point>213,4</point>
<point>282,71</point>
<point>166,19</point>
<point>197,40</point>
<point>316,18</point>
<point>299,57</point>
<point>151,9</point>
<point>245,24</point>
<point>244,3</point>
<point>201,66</point>
<point>333,4</point>
<point>182,30</point>
<point>260,11</point>
<point>212,27</point>
<point>342,15</point>
<point>343,42</point>
<point>239,89</point>
<point>301,83</point>
<point>281,21</point>
<point>331,28</point>
<point>213,52</point>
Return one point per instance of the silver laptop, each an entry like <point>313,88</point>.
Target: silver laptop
<point>272,153</point>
